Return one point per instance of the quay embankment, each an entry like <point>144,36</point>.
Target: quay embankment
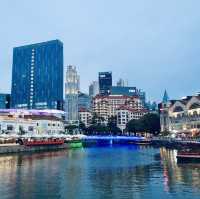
<point>16,148</point>
<point>103,141</point>
<point>86,141</point>
<point>176,143</point>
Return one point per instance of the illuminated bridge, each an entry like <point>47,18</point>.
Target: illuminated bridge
<point>109,140</point>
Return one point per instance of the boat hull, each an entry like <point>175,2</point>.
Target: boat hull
<point>188,160</point>
<point>43,143</point>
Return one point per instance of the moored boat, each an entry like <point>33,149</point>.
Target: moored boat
<point>40,142</point>
<point>74,143</point>
<point>143,142</point>
<point>188,156</point>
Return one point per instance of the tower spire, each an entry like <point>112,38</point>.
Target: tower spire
<point>165,97</point>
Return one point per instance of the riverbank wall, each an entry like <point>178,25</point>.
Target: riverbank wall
<point>31,149</point>
<point>175,144</point>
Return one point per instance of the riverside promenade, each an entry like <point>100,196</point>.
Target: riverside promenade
<point>175,143</point>
<point>84,141</point>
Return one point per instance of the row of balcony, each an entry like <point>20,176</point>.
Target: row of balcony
<point>184,119</point>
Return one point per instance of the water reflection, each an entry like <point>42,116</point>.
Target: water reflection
<point>122,172</point>
<point>22,174</point>
<point>173,173</point>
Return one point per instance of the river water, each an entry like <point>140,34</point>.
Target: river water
<point>99,173</point>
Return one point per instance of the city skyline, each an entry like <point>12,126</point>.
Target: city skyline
<point>154,48</point>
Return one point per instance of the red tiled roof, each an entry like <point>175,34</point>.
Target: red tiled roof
<point>83,110</point>
<point>123,107</point>
<point>42,117</point>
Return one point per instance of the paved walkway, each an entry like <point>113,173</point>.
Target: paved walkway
<point>9,144</point>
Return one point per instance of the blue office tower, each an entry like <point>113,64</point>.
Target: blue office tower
<point>37,76</point>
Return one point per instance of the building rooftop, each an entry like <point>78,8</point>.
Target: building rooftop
<point>39,44</point>
<point>115,97</point>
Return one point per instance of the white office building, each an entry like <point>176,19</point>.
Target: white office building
<point>72,81</point>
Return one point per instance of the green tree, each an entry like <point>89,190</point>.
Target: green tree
<point>70,128</point>
<point>94,119</point>
<point>97,119</point>
<point>82,126</point>
<point>112,125</point>
<point>148,123</point>
<point>135,126</point>
<point>151,123</point>
<point>99,129</point>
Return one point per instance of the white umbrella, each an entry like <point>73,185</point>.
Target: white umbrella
<point>80,136</point>
<point>4,135</point>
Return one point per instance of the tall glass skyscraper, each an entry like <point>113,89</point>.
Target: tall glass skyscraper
<point>105,82</point>
<point>37,76</point>
<point>71,94</point>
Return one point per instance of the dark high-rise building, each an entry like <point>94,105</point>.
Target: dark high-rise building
<point>84,101</point>
<point>105,82</point>
<point>4,101</point>
<point>37,76</point>
<point>123,90</point>
<point>128,91</point>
